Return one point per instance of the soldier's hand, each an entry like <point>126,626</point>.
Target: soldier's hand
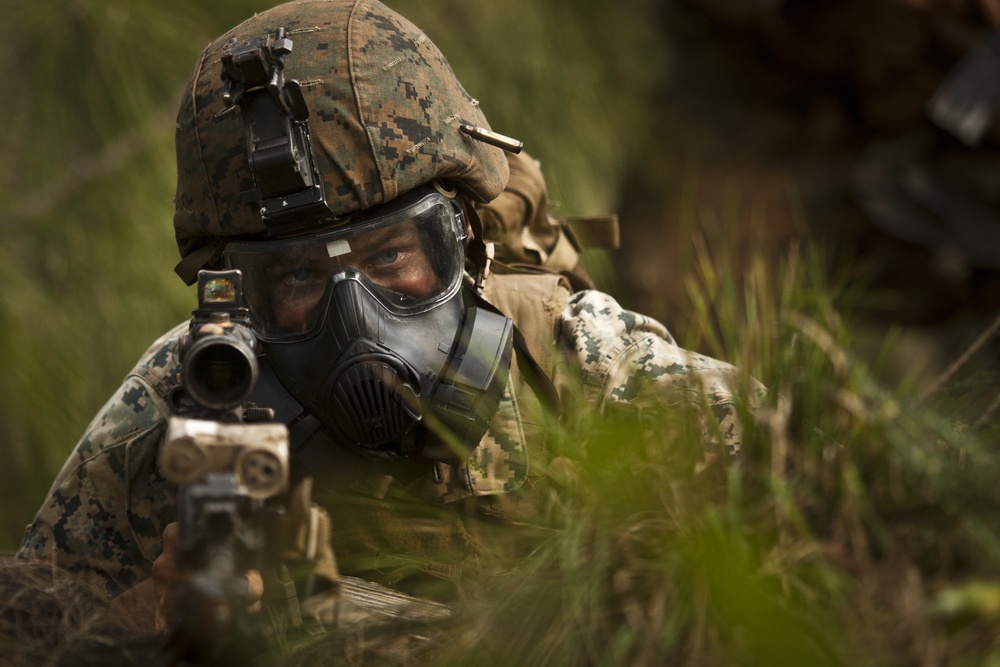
<point>153,598</point>
<point>166,574</point>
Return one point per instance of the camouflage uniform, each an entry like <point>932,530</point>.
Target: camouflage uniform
<point>107,508</point>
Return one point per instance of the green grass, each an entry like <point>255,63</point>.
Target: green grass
<point>856,529</point>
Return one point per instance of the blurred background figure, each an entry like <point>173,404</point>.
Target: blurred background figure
<point>862,128</point>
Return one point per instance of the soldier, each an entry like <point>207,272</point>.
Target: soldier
<point>326,150</point>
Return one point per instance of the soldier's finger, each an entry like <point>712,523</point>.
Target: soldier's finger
<point>165,565</point>
<point>255,590</point>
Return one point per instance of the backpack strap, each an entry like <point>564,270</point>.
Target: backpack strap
<point>535,303</point>
<point>526,238</point>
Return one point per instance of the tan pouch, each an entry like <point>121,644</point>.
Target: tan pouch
<point>526,238</point>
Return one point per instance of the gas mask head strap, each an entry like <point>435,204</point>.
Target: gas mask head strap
<point>532,372</point>
<point>478,252</point>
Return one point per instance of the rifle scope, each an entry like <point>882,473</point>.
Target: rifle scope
<point>219,364</point>
<point>220,369</point>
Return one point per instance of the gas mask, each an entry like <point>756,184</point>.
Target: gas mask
<point>369,327</point>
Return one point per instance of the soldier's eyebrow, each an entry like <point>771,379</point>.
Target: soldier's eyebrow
<point>373,240</point>
<point>303,257</point>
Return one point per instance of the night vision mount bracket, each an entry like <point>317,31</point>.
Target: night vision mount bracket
<point>287,184</point>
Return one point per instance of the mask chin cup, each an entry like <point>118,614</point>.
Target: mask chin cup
<point>380,407</point>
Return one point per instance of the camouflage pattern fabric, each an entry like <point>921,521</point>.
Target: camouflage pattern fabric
<point>623,357</point>
<point>108,506</point>
<point>385,108</point>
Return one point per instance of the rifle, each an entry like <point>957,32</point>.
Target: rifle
<point>231,475</point>
<point>230,461</point>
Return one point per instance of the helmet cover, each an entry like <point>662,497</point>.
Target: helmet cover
<point>384,111</point>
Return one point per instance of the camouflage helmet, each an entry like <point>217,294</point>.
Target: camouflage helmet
<point>384,110</point>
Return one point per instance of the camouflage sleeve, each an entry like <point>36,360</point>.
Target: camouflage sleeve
<point>621,354</point>
<point>106,510</point>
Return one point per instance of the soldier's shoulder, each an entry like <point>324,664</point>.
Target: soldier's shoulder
<point>139,405</point>
<point>159,366</point>
<point>594,319</point>
<point>524,292</point>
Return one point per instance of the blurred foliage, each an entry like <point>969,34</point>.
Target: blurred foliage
<point>572,83</point>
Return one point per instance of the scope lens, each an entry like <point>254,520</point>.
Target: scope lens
<point>219,290</point>
<point>219,374</point>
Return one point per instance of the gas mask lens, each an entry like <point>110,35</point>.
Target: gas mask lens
<point>409,254</point>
